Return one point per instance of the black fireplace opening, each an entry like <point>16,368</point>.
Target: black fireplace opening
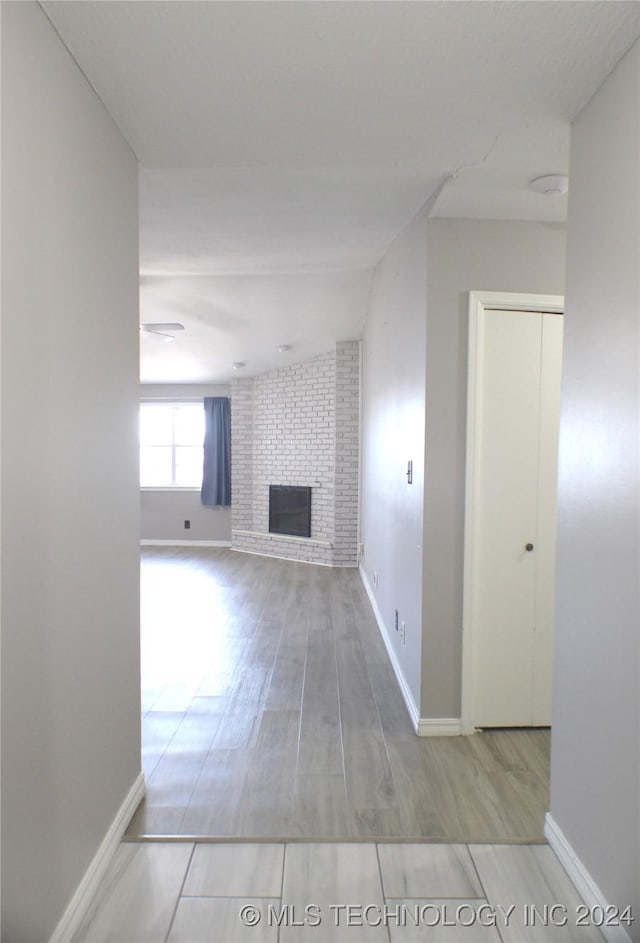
<point>290,510</point>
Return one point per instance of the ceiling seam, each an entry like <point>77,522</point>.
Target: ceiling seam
<point>88,81</point>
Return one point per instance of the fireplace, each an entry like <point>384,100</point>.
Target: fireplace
<point>290,510</point>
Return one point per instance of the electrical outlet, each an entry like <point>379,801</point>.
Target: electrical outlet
<point>187,525</point>
<point>375,579</point>
<point>403,633</point>
<point>396,620</point>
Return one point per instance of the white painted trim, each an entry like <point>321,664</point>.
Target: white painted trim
<point>411,705</point>
<point>439,727</point>
<point>152,542</point>
<point>478,302</point>
<point>584,883</point>
<point>360,440</point>
<point>515,301</point>
<point>85,892</point>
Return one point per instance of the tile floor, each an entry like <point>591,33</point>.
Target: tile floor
<point>251,892</point>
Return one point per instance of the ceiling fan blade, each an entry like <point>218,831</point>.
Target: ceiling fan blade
<point>155,327</point>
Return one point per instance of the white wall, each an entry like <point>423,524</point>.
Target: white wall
<point>70,518</point>
<point>183,391</point>
<point>163,513</point>
<point>393,398</point>
<point>463,255</point>
<point>595,762</point>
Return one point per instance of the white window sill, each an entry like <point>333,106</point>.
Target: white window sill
<point>168,488</point>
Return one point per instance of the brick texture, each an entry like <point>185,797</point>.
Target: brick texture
<point>299,426</point>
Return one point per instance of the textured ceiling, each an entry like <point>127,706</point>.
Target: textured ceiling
<point>284,145</point>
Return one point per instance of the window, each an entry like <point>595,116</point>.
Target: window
<point>171,438</point>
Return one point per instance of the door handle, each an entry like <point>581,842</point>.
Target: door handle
<point>528,547</point>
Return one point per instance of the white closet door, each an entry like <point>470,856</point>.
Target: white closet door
<point>515,525</point>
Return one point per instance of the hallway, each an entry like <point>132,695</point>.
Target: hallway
<point>270,710</point>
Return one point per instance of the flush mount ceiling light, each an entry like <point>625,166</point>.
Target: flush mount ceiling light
<point>550,184</point>
<point>283,348</point>
<point>238,365</point>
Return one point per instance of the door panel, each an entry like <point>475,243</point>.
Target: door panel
<point>518,367</point>
<point>507,510</point>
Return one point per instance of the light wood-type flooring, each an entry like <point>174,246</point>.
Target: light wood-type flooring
<point>186,892</point>
<point>270,710</point>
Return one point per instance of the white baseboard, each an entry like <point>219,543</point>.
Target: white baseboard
<point>411,705</point>
<point>584,883</point>
<point>423,726</point>
<point>151,542</point>
<point>439,727</point>
<point>81,901</point>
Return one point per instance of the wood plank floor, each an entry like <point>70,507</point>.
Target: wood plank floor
<point>270,710</point>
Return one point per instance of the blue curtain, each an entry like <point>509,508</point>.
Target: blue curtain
<point>216,478</point>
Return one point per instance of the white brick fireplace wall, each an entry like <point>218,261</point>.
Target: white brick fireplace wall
<point>299,426</point>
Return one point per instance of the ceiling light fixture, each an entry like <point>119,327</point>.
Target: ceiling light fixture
<point>283,348</point>
<point>550,184</point>
<point>238,365</point>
